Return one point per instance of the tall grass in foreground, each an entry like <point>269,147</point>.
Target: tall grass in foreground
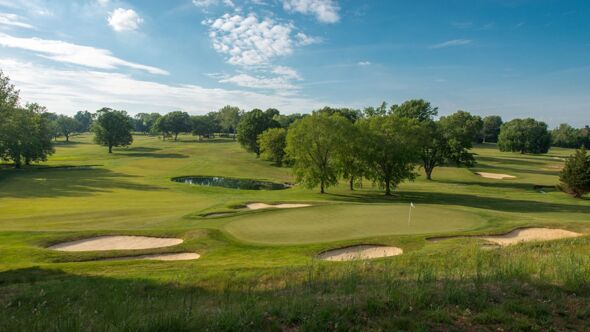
<point>536,286</point>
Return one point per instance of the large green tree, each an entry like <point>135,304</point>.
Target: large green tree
<point>175,123</point>
<point>391,146</point>
<point>566,136</point>
<point>144,122</point>
<point>460,130</point>
<point>272,144</point>
<point>112,128</point>
<point>524,136</point>
<point>575,176</point>
<point>85,119</point>
<point>229,117</point>
<point>251,125</point>
<point>491,128</point>
<point>312,145</point>
<point>67,126</point>
<point>205,125</point>
<point>418,109</point>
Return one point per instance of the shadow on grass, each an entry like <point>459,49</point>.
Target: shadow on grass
<point>438,198</point>
<point>65,181</point>
<point>508,168</point>
<point>353,299</point>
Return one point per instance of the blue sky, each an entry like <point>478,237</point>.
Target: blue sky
<point>514,58</point>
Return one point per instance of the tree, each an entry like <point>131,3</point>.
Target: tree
<point>175,123</point>
<point>312,145</point>
<point>251,125</point>
<point>66,126</point>
<point>491,128</point>
<point>391,149</point>
<point>460,130</point>
<point>349,155</point>
<point>375,111</point>
<point>566,136</point>
<point>524,136</point>
<point>286,120</point>
<point>85,119</point>
<point>205,125</point>
<point>575,176</point>
<point>9,95</point>
<point>144,122</point>
<point>272,144</point>
<point>25,135</point>
<point>229,117</point>
<point>418,109</point>
<point>351,114</point>
<point>112,128</point>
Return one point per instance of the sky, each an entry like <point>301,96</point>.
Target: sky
<point>513,58</point>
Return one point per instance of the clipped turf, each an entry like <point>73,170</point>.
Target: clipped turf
<point>258,270</point>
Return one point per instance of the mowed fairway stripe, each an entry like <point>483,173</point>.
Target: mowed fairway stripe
<point>349,221</point>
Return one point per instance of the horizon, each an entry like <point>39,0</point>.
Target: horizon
<point>513,58</point>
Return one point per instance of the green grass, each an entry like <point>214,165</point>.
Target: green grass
<point>257,270</point>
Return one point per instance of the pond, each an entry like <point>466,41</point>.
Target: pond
<point>233,183</point>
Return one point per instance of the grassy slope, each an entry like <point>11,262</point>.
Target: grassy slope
<point>130,192</point>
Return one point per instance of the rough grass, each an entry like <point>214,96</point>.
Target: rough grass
<point>258,271</point>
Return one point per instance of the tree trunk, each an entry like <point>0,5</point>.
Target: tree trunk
<point>322,187</point>
<point>175,136</point>
<point>67,138</point>
<point>110,148</point>
<point>351,183</point>
<point>428,173</point>
<point>387,189</point>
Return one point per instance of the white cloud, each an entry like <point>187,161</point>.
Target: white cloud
<point>14,21</point>
<point>286,72</point>
<point>304,40</point>
<point>451,43</point>
<point>103,3</point>
<point>364,63</point>
<point>33,7</point>
<point>68,91</point>
<point>280,84</point>
<point>124,20</point>
<point>325,11</point>
<point>248,41</point>
<point>61,51</point>
<point>209,3</point>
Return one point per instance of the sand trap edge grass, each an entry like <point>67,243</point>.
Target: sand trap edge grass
<point>495,176</point>
<point>359,252</point>
<point>116,242</point>
<point>518,235</point>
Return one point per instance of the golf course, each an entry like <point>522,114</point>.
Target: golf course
<point>257,267</point>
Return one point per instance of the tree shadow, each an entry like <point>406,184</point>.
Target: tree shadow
<point>517,170</point>
<point>473,201</point>
<point>147,152</point>
<point>511,160</point>
<point>65,181</point>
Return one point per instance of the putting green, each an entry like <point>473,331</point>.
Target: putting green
<point>350,221</point>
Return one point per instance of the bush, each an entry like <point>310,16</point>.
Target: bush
<point>575,176</point>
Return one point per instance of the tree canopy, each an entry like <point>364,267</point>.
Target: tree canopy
<point>575,176</point>
<point>272,144</point>
<point>67,125</point>
<point>491,128</point>
<point>524,136</point>
<point>251,125</point>
<point>112,128</point>
<point>312,145</point>
<point>418,109</point>
<point>174,123</point>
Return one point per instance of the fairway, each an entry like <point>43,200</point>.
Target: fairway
<point>350,221</point>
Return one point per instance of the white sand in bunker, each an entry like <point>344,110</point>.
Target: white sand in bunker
<point>496,176</point>
<point>102,243</point>
<point>183,256</point>
<point>258,206</point>
<point>359,252</point>
<point>529,234</point>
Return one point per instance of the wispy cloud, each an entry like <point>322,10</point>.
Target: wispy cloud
<point>62,51</point>
<point>325,11</point>
<point>14,20</point>
<point>68,91</point>
<point>452,43</point>
<point>364,63</point>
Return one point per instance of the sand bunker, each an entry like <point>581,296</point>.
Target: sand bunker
<point>359,252</point>
<point>529,234</point>
<point>496,176</point>
<point>183,256</point>
<point>258,206</point>
<point>102,243</point>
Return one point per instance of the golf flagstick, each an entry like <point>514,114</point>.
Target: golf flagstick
<point>410,213</point>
